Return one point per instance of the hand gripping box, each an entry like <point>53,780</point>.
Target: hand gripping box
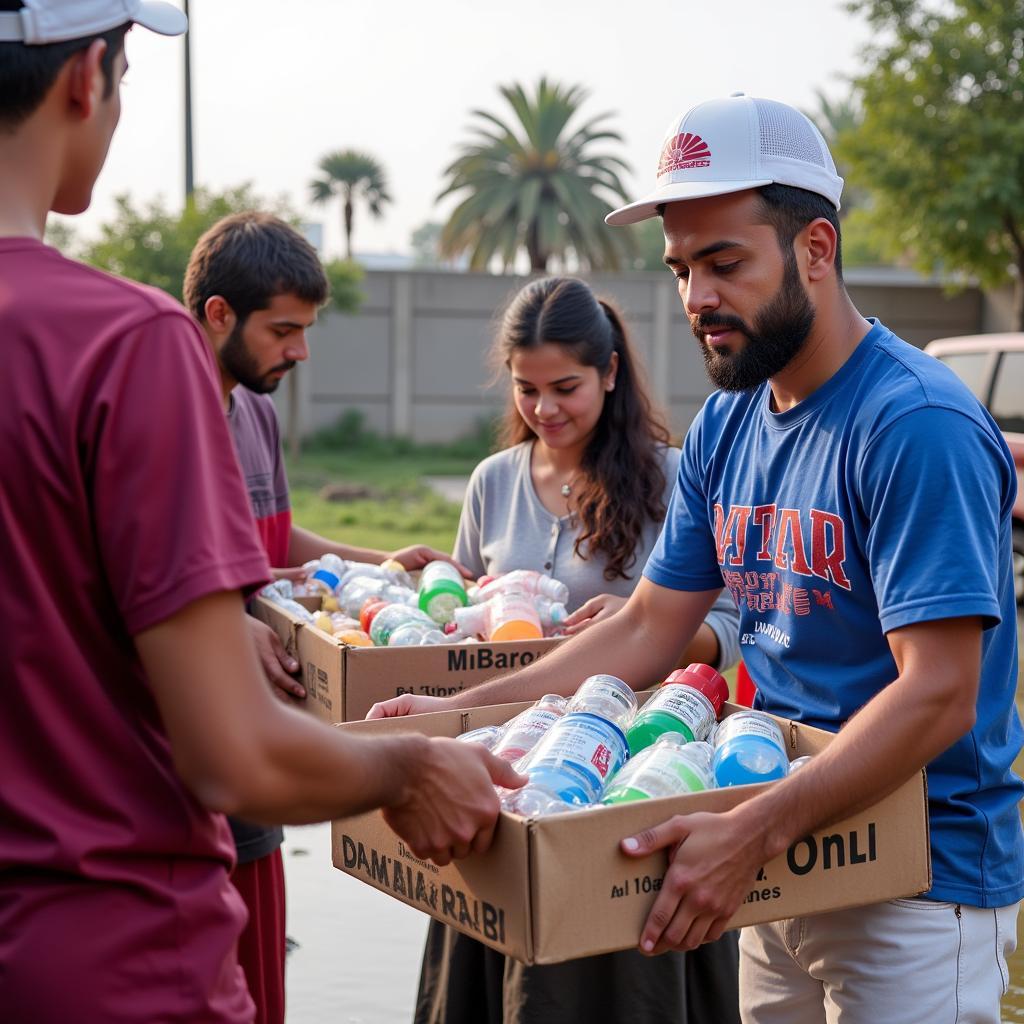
<point>558,887</point>
<point>342,682</point>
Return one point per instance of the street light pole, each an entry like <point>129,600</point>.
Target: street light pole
<point>189,181</point>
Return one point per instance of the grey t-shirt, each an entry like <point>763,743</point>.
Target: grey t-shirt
<point>505,526</point>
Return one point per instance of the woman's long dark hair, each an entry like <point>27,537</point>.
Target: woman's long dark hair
<point>623,480</point>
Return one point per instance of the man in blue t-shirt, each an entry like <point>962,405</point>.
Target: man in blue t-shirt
<point>855,499</point>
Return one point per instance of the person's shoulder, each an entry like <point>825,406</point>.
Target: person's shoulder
<point>120,300</point>
<point>900,380</point>
<point>259,406</point>
<point>502,465</point>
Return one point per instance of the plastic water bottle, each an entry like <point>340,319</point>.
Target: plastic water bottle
<point>325,575</point>
<point>524,731</point>
<point>688,702</point>
<point>416,634</point>
<point>672,765</point>
<point>552,614</point>
<point>799,762</point>
<point>607,697</point>
<point>506,616</point>
<point>280,593</point>
<point>526,580</point>
<point>358,590</point>
<point>532,802</point>
<point>486,735</point>
<point>388,619</point>
<point>749,747</point>
<point>582,750</point>
<point>441,591</point>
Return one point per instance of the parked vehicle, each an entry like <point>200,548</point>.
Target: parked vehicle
<point>992,366</point>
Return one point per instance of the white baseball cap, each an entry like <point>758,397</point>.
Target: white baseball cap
<point>733,144</point>
<point>56,21</point>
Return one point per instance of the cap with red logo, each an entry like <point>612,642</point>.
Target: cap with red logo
<point>39,22</point>
<point>732,144</point>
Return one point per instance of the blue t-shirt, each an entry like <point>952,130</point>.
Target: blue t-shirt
<point>881,500</point>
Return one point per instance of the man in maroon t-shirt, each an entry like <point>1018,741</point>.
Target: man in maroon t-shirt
<point>255,285</point>
<point>133,708</point>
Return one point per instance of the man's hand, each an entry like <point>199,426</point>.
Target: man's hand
<point>408,704</point>
<point>713,863</point>
<point>278,665</point>
<point>597,608</point>
<point>418,555</point>
<point>449,807</point>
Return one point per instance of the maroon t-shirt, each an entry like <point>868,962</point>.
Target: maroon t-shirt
<point>121,501</point>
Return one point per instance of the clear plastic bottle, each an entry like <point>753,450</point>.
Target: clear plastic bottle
<point>749,747</point>
<point>506,616</point>
<point>552,614</point>
<point>533,802</point>
<point>671,766</point>
<point>325,575</point>
<point>688,702</point>
<point>524,731</point>
<point>441,591</point>
<point>527,580</point>
<point>606,696</point>
<point>576,757</point>
<point>799,762</point>
<point>486,735</point>
<point>416,634</point>
<point>388,619</point>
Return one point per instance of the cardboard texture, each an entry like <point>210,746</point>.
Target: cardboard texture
<point>558,888</point>
<point>342,683</point>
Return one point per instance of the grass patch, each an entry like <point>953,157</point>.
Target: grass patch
<point>401,510</point>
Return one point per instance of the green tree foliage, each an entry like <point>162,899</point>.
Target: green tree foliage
<point>152,244</point>
<point>534,182</point>
<point>350,175</point>
<point>940,147</point>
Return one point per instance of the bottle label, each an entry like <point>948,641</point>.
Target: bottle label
<point>587,750</point>
<point>692,708</point>
<point>747,723</point>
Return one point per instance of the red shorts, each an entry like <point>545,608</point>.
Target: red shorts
<point>261,946</point>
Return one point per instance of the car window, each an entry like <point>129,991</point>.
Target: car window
<point>971,368</point>
<point>1008,394</point>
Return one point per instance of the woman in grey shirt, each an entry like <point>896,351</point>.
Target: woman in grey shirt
<point>579,492</point>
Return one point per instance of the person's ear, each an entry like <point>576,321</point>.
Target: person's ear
<point>218,315</point>
<point>613,369</point>
<point>820,243</point>
<point>86,82</point>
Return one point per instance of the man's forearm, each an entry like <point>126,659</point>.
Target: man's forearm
<point>895,735</point>
<point>621,645</point>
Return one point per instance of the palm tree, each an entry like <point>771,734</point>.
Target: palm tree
<point>536,184</point>
<point>351,174</point>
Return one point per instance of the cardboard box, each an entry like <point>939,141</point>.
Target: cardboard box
<point>558,887</point>
<point>342,683</point>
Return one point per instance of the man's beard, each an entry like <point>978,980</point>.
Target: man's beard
<point>238,361</point>
<point>781,328</point>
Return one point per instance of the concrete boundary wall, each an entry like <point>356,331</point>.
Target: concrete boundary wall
<point>413,360</point>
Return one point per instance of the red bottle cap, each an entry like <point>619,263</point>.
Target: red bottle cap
<point>370,607</point>
<point>704,679</point>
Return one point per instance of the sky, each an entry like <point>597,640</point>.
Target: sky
<point>276,86</point>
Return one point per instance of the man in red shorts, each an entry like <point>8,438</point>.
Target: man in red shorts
<point>255,285</point>
<point>134,711</point>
